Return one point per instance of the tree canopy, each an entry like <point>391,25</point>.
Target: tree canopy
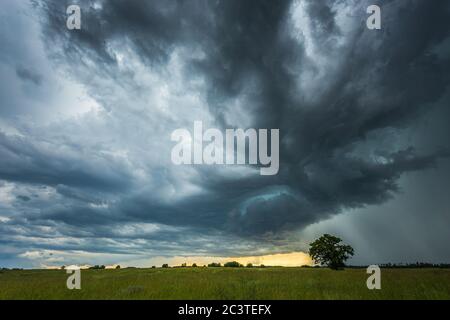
<point>328,250</point>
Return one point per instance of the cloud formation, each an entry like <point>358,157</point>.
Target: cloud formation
<point>99,178</point>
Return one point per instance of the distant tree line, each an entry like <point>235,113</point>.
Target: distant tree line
<point>229,264</point>
<point>97,267</point>
<point>416,265</point>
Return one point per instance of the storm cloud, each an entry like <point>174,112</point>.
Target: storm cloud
<point>345,98</point>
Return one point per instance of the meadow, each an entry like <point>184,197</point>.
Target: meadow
<point>226,283</point>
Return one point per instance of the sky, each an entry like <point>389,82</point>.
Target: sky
<point>86,118</point>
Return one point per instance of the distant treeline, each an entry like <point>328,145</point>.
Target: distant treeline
<point>409,265</point>
<point>234,264</point>
<point>230,264</point>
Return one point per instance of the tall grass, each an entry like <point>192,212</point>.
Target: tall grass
<point>226,283</point>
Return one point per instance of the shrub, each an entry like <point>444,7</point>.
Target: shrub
<point>214,265</point>
<point>232,264</point>
<point>97,267</point>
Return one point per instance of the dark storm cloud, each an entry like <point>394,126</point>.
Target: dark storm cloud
<point>340,98</point>
<point>23,161</point>
<point>28,75</point>
<point>23,198</point>
<point>251,39</point>
<point>155,28</point>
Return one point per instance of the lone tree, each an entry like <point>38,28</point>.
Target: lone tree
<point>328,250</point>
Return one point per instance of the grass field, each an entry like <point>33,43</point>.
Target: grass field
<point>226,283</point>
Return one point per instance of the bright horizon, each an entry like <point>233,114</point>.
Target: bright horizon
<point>293,259</point>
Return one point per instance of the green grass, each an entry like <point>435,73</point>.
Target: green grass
<point>226,283</point>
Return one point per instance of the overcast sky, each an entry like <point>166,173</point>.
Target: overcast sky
<point>86,117</point>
